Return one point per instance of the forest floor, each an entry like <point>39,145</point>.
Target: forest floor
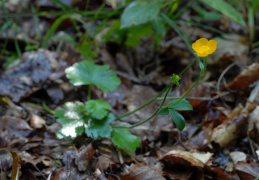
<point>221,136</point>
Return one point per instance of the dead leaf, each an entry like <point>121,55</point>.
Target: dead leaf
<point>144,173</point>
<point>13,123</point>
<point>187,158</point>
<point>226,132</point>
<point>247,171</point>
<point>6,161</point>
<point>15,164</point>
<point>84,157</point>
<point>26,77</point>
<point>245,78</point>
<point>185,165</point>
<point>254,95</point>
<point>37,122</point>
<point>104,163</point>
<point>237,156</point>
<point>218,173</point>
<point>253,125</point>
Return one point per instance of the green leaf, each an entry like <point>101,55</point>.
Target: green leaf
<point>71,128</point>
<point>73,111</point>
<point>178,119</point>
<point>109,118</point>
<point>183,105</point>
<point>97,108</point>
<point>226,9</point>
<point>96,128</point>
<point>86,72</point>
<point>140,11</point>
<point>72,119</point>
<point>125,140</point>
<point>163,111</point>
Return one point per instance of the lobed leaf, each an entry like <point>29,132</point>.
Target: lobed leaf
<point>97,128</point>
<point>72,119</point>
<point>71,128</point>
<point>125,140</point>
<point>97,108</point>
<point>86,72</point>
<point>74,111</point>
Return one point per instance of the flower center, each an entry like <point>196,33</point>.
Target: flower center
<point>204,49</point>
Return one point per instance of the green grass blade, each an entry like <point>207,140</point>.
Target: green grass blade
<point>55,26</point>
<point>226,9</point>
<point>178,31</point>
<point>251,23</point>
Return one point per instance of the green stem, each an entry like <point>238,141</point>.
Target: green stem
<point>155,113</point>
<point>187,92</point>
<point>168,88</point>
<point>144,105</point>
<point>162,98</point>
<point>89,92</point>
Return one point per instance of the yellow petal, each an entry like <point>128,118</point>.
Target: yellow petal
<point>196,46</point>
<point>202,41</point>
<point>212,44</point>
<point>201,54</point>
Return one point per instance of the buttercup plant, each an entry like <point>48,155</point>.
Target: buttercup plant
<point>93,116</point>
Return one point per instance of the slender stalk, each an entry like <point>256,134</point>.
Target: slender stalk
<point>144,105</point>
<point>153,115</point>
<point>168,88</point>
<point>187,92</point>
<point>159,94</point>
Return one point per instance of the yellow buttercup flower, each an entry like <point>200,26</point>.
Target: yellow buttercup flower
<point>203,47</point>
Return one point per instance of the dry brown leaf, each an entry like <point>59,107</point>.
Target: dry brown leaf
<point>104,163</point>
<point>27,77</point>
<point>218,173</point>
<point>185,165</point>
<point>246,77</point>
<point>231,127</point>
<point>13,123</point>
<point>84,157</point>
<point>15,166</point>
<point>187,158</point>
<point>247,171</point>
<point>253,125</point>
<point>37,122</point>
<point>144,173</point>
<point>237,156</point>
<point>254,95</point>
